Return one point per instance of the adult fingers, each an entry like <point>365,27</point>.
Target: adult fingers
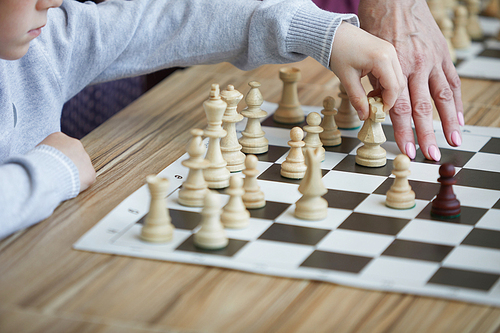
<point>401,122</point>
<point>455,85</point>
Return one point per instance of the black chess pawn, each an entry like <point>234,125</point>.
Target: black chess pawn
<point>446,204</point>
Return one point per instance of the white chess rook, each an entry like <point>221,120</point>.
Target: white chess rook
<point>371,154</point>
<point>230,147</point>
<point>289,110</point>
<point>157,224</point>
<point>216,175</point>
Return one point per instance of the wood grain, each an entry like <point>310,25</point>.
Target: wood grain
<point>45,286</point>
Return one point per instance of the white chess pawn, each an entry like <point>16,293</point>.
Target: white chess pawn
<point>211,235</point>
<point>294,167</point>
<point>371,154</point>
<point>347,117</point>
<point>194,188</point>
<point>331,135</point>
<point>157,224</point>
<point>313,130</point>
<point>446,26</point>
<point>252,138</point>
<point>461,39</point>
<point>253,198</point>
<point>400,195</point>
<point>474,28</point>
<point>234,214</point>
<point>311,206</point>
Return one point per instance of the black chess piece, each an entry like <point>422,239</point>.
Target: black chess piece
<point>446,204</point>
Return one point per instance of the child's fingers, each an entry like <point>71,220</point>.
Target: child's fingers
<point>390,77</point>
<point>356,93</point>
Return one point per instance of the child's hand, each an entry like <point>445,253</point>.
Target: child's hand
<point>356,53</point>
<point>73,148</point>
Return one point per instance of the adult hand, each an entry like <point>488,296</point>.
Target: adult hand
<point>356,53</point>
<point>73,148</point>
<point>427,67</point>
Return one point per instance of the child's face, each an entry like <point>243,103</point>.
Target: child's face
<point>21,22</point>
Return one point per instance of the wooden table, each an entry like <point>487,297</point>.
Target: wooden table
<point>45,286</point>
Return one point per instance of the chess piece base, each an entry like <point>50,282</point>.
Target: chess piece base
<point>192,198</point>
<point>307,208</point>
<point>157,233</point>
<point>293,174</point>
<point>209,243</point>
<point>285,115</point>
<point>399,200</point>
<point>371,156</point>
<point>235,220</point>
<point>331,142</point>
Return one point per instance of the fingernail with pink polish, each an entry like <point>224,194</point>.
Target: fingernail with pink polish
<point>461,120</point>
<point>410,150</point>
<point>456,139</point>
<point>434,152</point>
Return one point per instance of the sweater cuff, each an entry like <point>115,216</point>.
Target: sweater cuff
<point>312,32</point>
<point>56,169</point>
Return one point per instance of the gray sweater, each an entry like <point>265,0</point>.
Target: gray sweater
<point>84,44</point>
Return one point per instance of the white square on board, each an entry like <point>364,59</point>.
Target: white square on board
<point>490,220</point>
<point>474,258</point>
<point>355,242</point>
<point>435,232</point>
<point>280,192</point>
<point>413,272</point>
<point>255,228</point>
<point>374,204</point>
<point>476,197</point>
<point>131,239</point>
<point>274,254</point>
<point>354,182</point>
<point>277,136</point>
<point>425,172</point>
<point>484,161</point>
<point>471,143</point>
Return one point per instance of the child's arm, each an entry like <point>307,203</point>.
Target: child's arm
<point>356,53</point>
<point>33,185</point>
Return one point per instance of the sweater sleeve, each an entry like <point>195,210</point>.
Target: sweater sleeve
<point>89,43</point>
<point>33,185</point>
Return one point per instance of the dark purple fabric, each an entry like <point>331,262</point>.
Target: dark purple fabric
<point>338,6</point>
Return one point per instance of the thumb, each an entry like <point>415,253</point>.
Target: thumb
<point>357,96</point>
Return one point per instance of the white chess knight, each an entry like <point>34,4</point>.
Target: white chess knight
<point>371,154</point>
<point>311,206</point>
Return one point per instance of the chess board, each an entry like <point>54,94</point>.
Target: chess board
<point>362,243</point>
<point>482,59</point>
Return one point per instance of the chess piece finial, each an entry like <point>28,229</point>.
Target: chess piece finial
<point>371,154</point>
<point>230,147</point>
<point>347,117</point>
<point>446,204</point>
<point>400,195</point>
<point>157,224</point>
<point>289,110</point>
<point>252,139</point>
<point>294,166</point>
<point>211,235</point>
<point>234,214</point>
<point>331,135</point>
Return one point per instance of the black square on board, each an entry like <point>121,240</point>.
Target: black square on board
<point>423,190</point>
<point>348,164</point>
<point>468,215</point>
<point>336,261</point>
<point>374,223</point>
<point>344,199</point>
<point>233,246</point>
<point>294,234</point>
<point>273,154</point>
<point>464,279</point>
<point>492,146</point>
<point>270,211</point>
<point>483,238</point>
<point>497,205</point>
<point>273,174</point>
<point>269,121</point>
<point>478,178</point>
<point>417,250</point>
<point>181,219</point>
<point>389,133</point>
<point>347,145</point>
<point>456,157</point>
<point>490,53</point>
